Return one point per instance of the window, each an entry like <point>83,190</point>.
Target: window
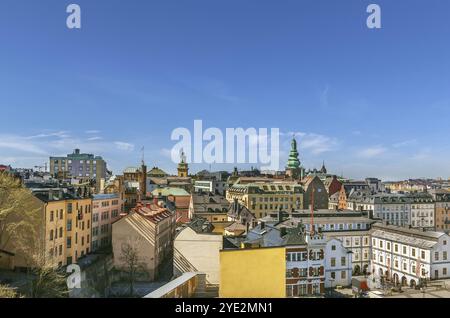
<point>60,250</point>
<point>60,231</point>
<point>51,216</point>
<point>381,244</point>
<point>404,249</point>
<point>289,290</point>
<point>388,246</point>
<point>343,275</point>
<point>69,243</point>
<point>333,275</point>
<point>423,255</point>
<point>69,207</point>
<point>61,214</point>
<point>333,247</point>
<point>343,261</point>
<point>333,262</point>
<point>395,247</point>
<point>413,252</point>
<point>69,225</point>
<point>444,255</point>
<point>436,256</point>
<point>51,235</point>
<point>444,271</point>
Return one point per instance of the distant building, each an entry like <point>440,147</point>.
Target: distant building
<point>213,186</point>
<point>332,185</point>
<point>442,210</point>
<point>348,188</point>
<point>294,169</point>
<point>209,206</point>
<point>314,188</point>
<point>243,220</point>
<point>183,167</point>
<point>135,184</point>
<point>180,198</point>
<point>5,168</point>
<point>79,166</point>
<point>265,197</point>
<point>148,229</point>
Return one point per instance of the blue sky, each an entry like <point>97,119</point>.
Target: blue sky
<point>368,102</point>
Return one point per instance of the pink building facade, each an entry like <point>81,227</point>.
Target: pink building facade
<point>106,210</point>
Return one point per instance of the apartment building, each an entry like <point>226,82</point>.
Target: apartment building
<point>263,198</point>
<point>350,227</point>
<point>408,256</point>
<point>422,211</point>
<point>79,166</point>
<point>106,210</point>
<point>150,230</point>
<point>63,227</point>
<point>442,210</point>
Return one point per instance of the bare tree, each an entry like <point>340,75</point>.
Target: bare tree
<point>131,259</point>
<point>22,229</point>
<point>47,282</point>
<point>7,292</point>
<point>19,213</point>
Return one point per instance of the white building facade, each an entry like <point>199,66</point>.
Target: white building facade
<point>405,256</point>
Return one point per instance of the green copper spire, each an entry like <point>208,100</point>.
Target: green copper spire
<point>293,162</point>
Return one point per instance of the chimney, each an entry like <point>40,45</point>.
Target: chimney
<point>76,151</point>
<point>263,224</point>
<point>280,215</point>
<point>283,231</point>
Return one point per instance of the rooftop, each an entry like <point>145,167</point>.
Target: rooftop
<point>170,191</point>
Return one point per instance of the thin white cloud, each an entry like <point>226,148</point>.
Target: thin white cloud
<point>22,144</point>
<point>58,134</point>
<point>372,152</point>
<point>324,96</point>
<point>405,143</point>
<point>94,138</point>
<point>312,142</point>
<point>124,146</point>
<point>92,132</point>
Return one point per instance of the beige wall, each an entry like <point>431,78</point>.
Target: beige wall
<point>138,232</point>
<point>198,253</point>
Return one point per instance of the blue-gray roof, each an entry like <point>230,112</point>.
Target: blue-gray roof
<point>106,196</point>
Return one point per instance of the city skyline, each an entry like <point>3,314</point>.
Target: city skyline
<point>370,103</point>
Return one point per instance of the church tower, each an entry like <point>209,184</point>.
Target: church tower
<point>293,168</point>
<point>183,167</point>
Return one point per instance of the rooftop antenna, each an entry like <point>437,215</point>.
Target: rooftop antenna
<point>143,155</point>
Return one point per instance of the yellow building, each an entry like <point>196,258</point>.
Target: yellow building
<point>263,198</point>
<point>63,227</point>
<point>253,273</point>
